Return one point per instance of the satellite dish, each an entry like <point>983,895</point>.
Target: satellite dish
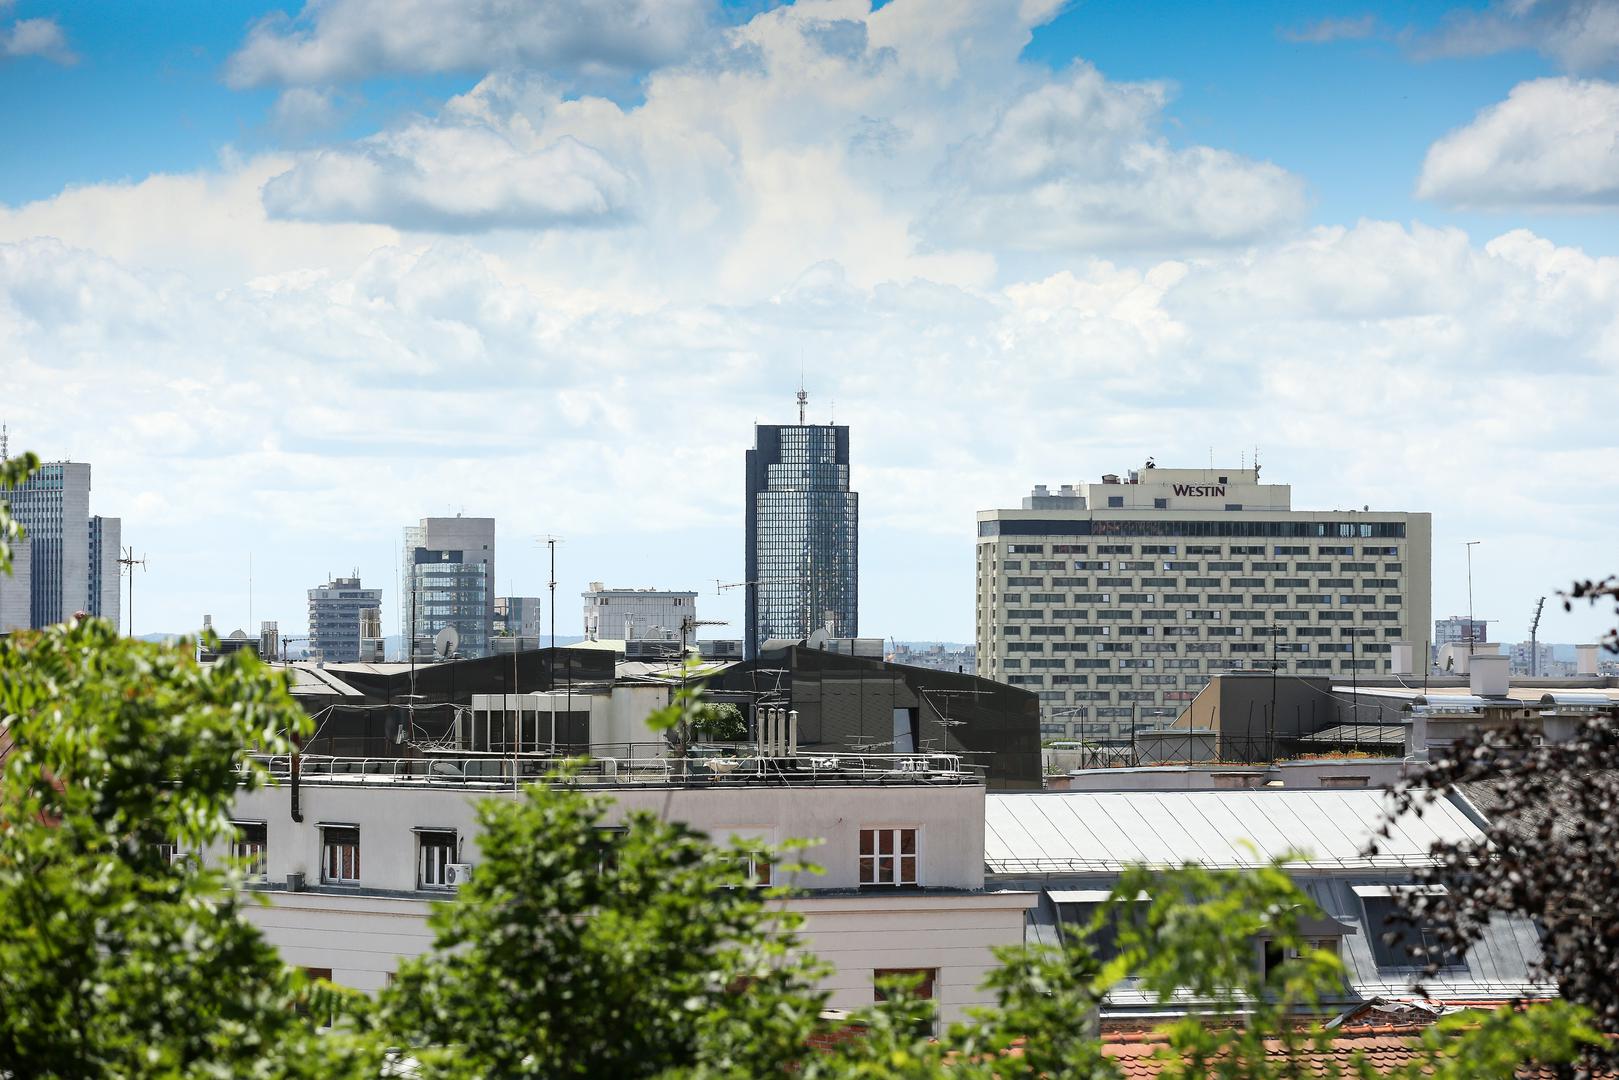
<point>446,642</point>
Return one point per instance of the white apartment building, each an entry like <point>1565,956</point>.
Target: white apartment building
<point>352,859</point>
<point>1115,601</point>
<point>636,614</point>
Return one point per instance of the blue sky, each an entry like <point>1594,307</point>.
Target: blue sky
<point>290,284</point>
<point>1354,116</point>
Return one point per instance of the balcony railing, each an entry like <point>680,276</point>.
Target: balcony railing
<point>490,771</point>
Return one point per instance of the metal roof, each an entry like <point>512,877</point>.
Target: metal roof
<point>1076,832</point>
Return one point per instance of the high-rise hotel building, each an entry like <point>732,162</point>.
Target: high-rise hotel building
<point>1116,601</point>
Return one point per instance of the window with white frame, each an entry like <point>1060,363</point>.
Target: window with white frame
<point>889,857</point>
<point>340,854</point>
<point>250,849</point>
<point>435,851</point>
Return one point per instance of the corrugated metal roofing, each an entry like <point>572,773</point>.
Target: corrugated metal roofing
<point>1071,832</point>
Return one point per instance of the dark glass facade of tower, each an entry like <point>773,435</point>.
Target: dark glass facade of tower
<point>803,534</point>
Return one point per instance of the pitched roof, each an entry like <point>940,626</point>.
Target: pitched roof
<point>1084,831</point>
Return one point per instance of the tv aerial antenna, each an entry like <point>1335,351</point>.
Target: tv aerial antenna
<point>128,562</point>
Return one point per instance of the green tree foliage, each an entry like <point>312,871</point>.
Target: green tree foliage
<point>722,721</point>
<point>117,959</point>
<point>12,473</point>
<point>584,950</point>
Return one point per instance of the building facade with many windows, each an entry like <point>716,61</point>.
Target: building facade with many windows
<point>73,556</point>
<point>448,581</point>
<point>636,614</point>
<point>1114,602</point>
<point>343,616</point>
<point>803,530</point>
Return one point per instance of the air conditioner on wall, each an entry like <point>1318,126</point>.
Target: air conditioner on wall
<point>457,874</point>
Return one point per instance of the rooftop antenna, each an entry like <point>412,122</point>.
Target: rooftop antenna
<point>5,452</point>
<point>803,400</point>
<point>129,562</point>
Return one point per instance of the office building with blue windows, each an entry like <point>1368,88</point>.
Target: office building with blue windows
<point>803,531</point>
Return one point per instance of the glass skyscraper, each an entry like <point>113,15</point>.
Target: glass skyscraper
<point>803,530</point>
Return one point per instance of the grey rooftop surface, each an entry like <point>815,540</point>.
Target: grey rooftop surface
<point>1068,832</point>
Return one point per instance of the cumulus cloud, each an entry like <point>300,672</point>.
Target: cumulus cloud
<point>1080,164</point>
<point>1332,28</point>
<point>816,138</point>
<point>1552,144</point>
<point>1580,35</point>
<point>451,179</point>
<point>36,37</point>
<point>345,40</point>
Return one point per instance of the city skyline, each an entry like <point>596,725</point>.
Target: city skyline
<point>286,288</point>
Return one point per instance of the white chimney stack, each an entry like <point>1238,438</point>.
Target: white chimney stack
<point>1487,675</point>
<point>1585,659</point>
<point>1400,654</point>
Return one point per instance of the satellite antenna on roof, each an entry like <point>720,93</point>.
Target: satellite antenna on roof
<point>446,642</point>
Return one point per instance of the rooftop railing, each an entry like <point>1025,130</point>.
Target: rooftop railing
<point>487,770</point>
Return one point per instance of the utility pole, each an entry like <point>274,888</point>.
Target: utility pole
<point>1270,733</point>
<point>129,562</point>
<point>551,543</point>
<point>1472,627</point>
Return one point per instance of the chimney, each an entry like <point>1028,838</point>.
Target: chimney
<point>1400,654</point>
<point>1585,659</point>
<point>1487,675</point>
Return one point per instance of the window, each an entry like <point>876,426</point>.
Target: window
<point>921,980</point>
<point>340,854</point>
<point>1275,956</point>
<point>1091,915</point>
<point>1115,501</point>
<point>755,867</point>
<point>1397,939</point>
<point>249,849</point>
<point>888,857</point>
<point>435,851</point>
<point>1160,504</point>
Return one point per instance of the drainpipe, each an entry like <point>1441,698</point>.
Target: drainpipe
<point>297,812</point>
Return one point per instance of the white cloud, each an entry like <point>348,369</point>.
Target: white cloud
<point>1580,35</point>
<point>452,178</point>
<point>1079,164</point>
<point>346,40</point>
<point>302,110</point>
<point>882,142</point>
<point>36,37</point>
<point>1552,144</point>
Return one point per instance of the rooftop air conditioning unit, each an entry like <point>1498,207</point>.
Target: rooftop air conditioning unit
<point>457,874</point>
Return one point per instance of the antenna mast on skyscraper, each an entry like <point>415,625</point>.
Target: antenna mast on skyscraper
<point>803,400</point>
<point>5,453</point>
